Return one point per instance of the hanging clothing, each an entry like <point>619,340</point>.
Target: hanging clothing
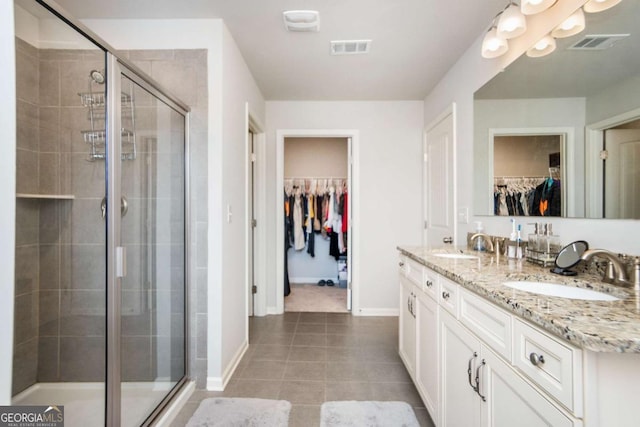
<point>548,198</point>
<point>345,215</point>
<point>298,230</point>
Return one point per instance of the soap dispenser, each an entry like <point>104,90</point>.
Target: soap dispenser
<point>479,245</point>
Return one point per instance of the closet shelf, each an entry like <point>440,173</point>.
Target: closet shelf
<point>45,196</point>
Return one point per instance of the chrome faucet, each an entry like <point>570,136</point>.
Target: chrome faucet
<point>487,240</point>
<point>616,271</point>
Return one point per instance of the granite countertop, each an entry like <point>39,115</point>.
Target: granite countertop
<point>601,326</point>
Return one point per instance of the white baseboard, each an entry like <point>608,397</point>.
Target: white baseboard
<point>377,312</point>
<point>273,310</point>
<point>176,406</point>
<point>219,383</point>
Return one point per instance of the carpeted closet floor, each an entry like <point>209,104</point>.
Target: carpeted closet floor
<point>314,298</point>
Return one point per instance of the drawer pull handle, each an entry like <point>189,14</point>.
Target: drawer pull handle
<point>401,264</point>
<point>445,295</point>
<point>429,283</point>
<point>470,371</point>
<point>536,359</point>
<point>484,398</point>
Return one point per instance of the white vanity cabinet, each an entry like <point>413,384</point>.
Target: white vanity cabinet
<point>469,359</point>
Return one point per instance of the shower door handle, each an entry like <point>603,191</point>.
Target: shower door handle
<point>124,207</point>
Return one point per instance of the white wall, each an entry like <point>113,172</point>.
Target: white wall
<point>468,75</point>
<point>386,201</point>
<point>528,113</point>
<point>7,195</point>
<point>614,100</point>
<point>316,157</point>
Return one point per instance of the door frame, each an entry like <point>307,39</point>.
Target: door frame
<point>449,111</point>
<point>259,207</point>
<point>594,142</point>
<point>354,198</point>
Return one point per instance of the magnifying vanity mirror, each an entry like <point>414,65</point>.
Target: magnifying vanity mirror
<point>568,257</point>
<point>568,121</point>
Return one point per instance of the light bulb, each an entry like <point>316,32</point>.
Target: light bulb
<point>493,45</point>
<point>543,47</point>
<point>531,7</point>
<point>570,26</point>
<point>512,22</point>
<point>594,6</point>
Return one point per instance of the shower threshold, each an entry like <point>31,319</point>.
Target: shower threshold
<point>84,403</point>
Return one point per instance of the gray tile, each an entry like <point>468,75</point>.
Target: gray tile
<point>26,270</point>
<point>27,222</point>
<point>313,318</point>
<point>348,390</point>
<point>346,371</point>
<point>49,313</point>
<point>49,173</point>
<point>151,54</point>
<point>83,267</point>
<point>344,354</point>
<point>303,392</point>
<point>136,359</point>
<point>305,371</point>
<point>26,171</point>
<point>136,324</point>
<point>180,76</point>
<point>379,355</point>
<point>82,325</point>
<point>311,328</point>
<point>27,126</point>
<point>49,221</point>
<point>86,179</point>
<point>26,318</point>
<point>310,340</point>
<point>25,365</point>
<point>48,359</point>
<point>308,354</point>
<point>26,77</point>
<point>387,372</point>
<point>339,318</point>
<point>275,339</point>
<point>83,302</point>
<point>342,340</point>
<point>270,352</point>
<point>49,82</point>
<point>49,267</point>
<point>82,359</point>
<point>304,416</point>
<point>261,389</point>
<point>340,329</point>
<point>263,370</point>
<point>201,336</point>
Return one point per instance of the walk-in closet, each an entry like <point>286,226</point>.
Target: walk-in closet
<point>316,211</point>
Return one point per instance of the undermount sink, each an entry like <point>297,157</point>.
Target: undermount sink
<point>456,256</point>
<point>561,291</point>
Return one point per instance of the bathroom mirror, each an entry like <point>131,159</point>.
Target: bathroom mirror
<point>586,95</point>
<point>568,257</point>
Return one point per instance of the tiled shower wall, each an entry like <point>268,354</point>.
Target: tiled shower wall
<point>60,244</point>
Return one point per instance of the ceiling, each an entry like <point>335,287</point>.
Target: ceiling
<point>414,41</point>
<point>575,73</point>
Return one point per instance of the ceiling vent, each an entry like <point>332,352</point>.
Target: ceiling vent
<point>597,41</point>
<point>301,20</point>
<point>350,47</point>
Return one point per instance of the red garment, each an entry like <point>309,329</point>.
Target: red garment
<point>345,214</point>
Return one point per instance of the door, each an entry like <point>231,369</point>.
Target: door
<point>427,352</point>
<point>460,356</point>
<point>252,223</point>
<point>349,223</point>
<point>510,397</point>
<point>407,345</point>
<point>147,181</point>
<point>621,178</point>
<point>438,182</point>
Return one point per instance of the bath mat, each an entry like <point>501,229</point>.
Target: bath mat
<point>237,412</point>
<point>367,414</point>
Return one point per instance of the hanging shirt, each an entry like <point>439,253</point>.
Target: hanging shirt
<point>298,231</point>
<point>345,215</point>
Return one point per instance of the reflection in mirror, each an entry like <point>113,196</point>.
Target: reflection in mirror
<point>568,257</point>
<point>587,91</point>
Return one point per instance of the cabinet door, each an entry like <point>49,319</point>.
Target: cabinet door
<point>460,352</point>
<point>427,371</point>
<point>510,400</point>
<point>407,335</point>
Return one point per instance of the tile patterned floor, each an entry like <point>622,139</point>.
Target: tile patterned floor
<point>310,358</point>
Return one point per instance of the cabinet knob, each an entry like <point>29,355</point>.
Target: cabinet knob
<point>401,264</point>
<point>445,295</point>
<point>536,359</point>
<point>448,240</point>
<point>429,283</point>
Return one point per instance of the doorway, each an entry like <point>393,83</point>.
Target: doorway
<point>314,165</point>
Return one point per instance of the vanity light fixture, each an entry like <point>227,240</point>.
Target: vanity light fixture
<point>570,26</point>
<point>531,7</point>
<point>512,22</point>
<point>594,6</point>
<point>493,45</point>
<point>301,20</point>
<point>544,47</point>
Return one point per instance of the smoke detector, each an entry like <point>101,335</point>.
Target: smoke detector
<point>350,47</point>
<point>301,20</point>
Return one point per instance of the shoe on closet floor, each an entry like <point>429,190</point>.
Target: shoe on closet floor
<point>322,282</point>
<point>330,282</point>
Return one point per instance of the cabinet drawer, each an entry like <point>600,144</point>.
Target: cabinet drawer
<point>448,296</point>
<point>487,321</point>
<point>430,283</point>
<point>550,363</point>
<point>403,265</point>
<point>414,272</point>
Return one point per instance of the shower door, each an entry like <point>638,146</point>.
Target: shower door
<point>147,181</point>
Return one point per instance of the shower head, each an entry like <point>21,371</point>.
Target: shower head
<point>97,76</point>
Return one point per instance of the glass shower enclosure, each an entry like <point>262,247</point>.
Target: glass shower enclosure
<point>101,250</point>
